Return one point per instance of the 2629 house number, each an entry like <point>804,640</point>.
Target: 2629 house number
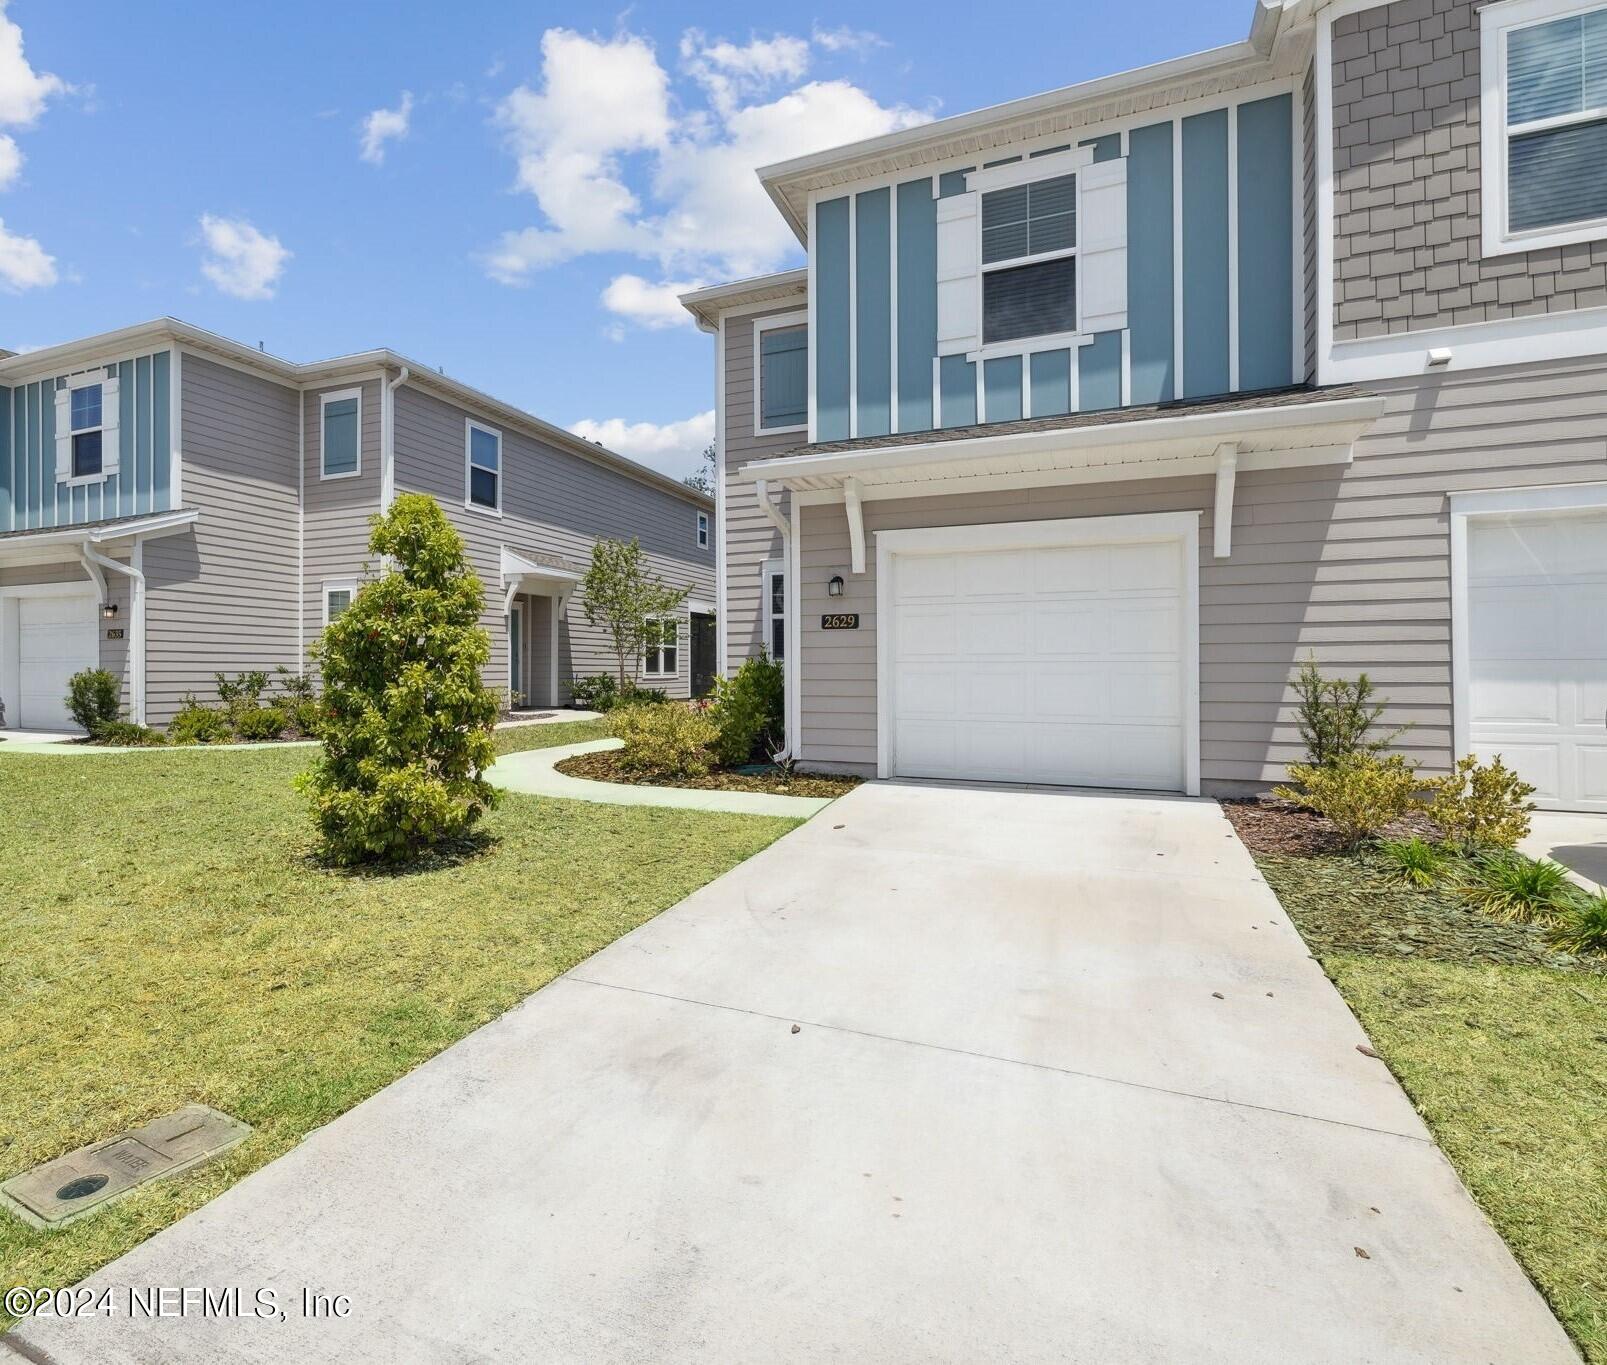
<point>842,620</point>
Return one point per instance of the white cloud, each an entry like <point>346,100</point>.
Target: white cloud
<point>10,162</point>
<point>381,125</point>
<point>673,448</point>
<point>650,305</point>
<point>241,261</point>
<point>24,264</point>
<point>861,42</point>
<point>23,91</point>
<point>599,134</point>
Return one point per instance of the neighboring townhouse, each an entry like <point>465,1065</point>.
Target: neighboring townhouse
<point>1095,414</point>
<point>174,504</point>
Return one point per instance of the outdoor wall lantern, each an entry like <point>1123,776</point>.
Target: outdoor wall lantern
<point>109,610</point>
<point>835,587</point>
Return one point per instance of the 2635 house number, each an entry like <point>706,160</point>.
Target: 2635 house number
<point>841,620</point>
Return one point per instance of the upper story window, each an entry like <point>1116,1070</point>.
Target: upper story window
<point>341,416</point>
<point>1029,260</point>
<point>483,467</point>
<point>703,530</point>
<point>781,371</point>
<point>87,427</point>
<point>1544,124</point>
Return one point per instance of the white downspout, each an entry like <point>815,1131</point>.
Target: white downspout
<point>387,489</point>
<point>789,665</point>
<point>136,615</point>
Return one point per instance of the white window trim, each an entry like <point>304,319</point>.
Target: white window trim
<point>767,570</point>
<point>760,327</point>
<point>470,426</point>
<point>324,400</point>
<point>74,383</point>
<point>703,530</point>
<point>1496,21</point>
<point>657,651</point>
<point>1183,527</point>
<point>330,585</point>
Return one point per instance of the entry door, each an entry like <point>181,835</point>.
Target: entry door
<point>703,660</point>
<point>57,637</point>
<point>516,652</point>
<point>1058,664</point>
<point>1537,652</point>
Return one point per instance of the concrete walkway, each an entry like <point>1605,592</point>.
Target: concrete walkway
<point>944,1075</point>
<point>535,773</point>
<point>1576,839</point>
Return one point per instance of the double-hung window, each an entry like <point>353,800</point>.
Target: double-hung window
<point>703,530</point>
<point>661,648</point>
<point>1029,260</point>
<point>781,370</point>
<point>338,595</point>
<point>340,425</point>
<point>86,416</point>
<point>85,408</point>
<point>483,467</point>
<point>1544,117</point>
<point>774,608</point>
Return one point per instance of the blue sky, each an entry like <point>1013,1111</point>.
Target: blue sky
<point>510,191</point>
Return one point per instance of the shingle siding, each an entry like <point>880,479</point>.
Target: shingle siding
<point>1407,210</point>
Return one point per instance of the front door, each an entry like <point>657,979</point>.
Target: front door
<point>702,655</point>
<point>516,653</point>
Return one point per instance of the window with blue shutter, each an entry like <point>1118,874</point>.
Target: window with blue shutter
<point>784,377</point>
<point>1556,122</point>
<point>340,435</point>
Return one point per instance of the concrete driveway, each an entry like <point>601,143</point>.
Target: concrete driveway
<point>946,1075</point>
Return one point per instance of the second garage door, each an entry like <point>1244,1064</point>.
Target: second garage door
<point>1058,664</point>
<point>56,637</point>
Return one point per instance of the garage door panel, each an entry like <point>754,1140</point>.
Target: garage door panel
<point>1537,652</point>
<point>1050,665</point>
<point>56,637</point>
<point>989,629</point>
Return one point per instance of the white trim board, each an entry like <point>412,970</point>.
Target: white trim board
<point>1570,335</point>
<point>324,400</point>
<point>1494,503</point>
<point>771,324</point>
<point>1159,526</point>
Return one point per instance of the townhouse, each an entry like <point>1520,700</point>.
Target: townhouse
<point>174,504</point>
<point>1096,413</point>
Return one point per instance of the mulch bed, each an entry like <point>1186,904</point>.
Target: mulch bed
<point>1352,903</point>
<point>604,766</point>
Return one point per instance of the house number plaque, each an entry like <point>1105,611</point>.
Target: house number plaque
<point>115,633</point>
<point>840,620</point>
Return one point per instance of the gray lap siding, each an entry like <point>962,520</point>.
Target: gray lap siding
<point>1350,564</point>
<point>554,503</point>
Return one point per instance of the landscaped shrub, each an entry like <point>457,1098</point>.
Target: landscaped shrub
<point>749,709</point>
<point>257,723</point>
<point>1524,890</point>
<point>664,741</point>
<point>129,735</point>
<point>1481,806</point>
<point>307,717</point>
<point>197,724</point>
<point>92,699</point>
<point>1360,793</point>
<point>295,686</point>
<point>1336,715</point>
<point>242,692</point>
<point>407,722</point>
<point>1415,861</point>
<point>1582,927</point>
<point>595,692</point>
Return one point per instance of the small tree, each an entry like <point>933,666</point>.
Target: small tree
<point>406,722</point>
<point>1336,715</point>
<point>92,699</point>
<point>624,598</point>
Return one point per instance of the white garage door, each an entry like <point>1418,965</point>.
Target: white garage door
<point>56,638</point>
<point>1537,653</point>
<point>1048,664</point>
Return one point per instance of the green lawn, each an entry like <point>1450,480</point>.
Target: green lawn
<point>169,940</point>
<point>1505,1060</point>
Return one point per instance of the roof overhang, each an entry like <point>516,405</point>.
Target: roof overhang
<point>1275,47</point>
<point>708,305</point>
<point>53,544</point>
<point>1282,436</point>
<point>520,574</point>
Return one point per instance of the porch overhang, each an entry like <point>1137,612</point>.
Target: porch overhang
<point>522,575</point>
<point>55,544</point>
<point>1225,440</point>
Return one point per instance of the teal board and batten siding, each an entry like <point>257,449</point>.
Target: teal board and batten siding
<point>875,264</point>
<point>31,497</point>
